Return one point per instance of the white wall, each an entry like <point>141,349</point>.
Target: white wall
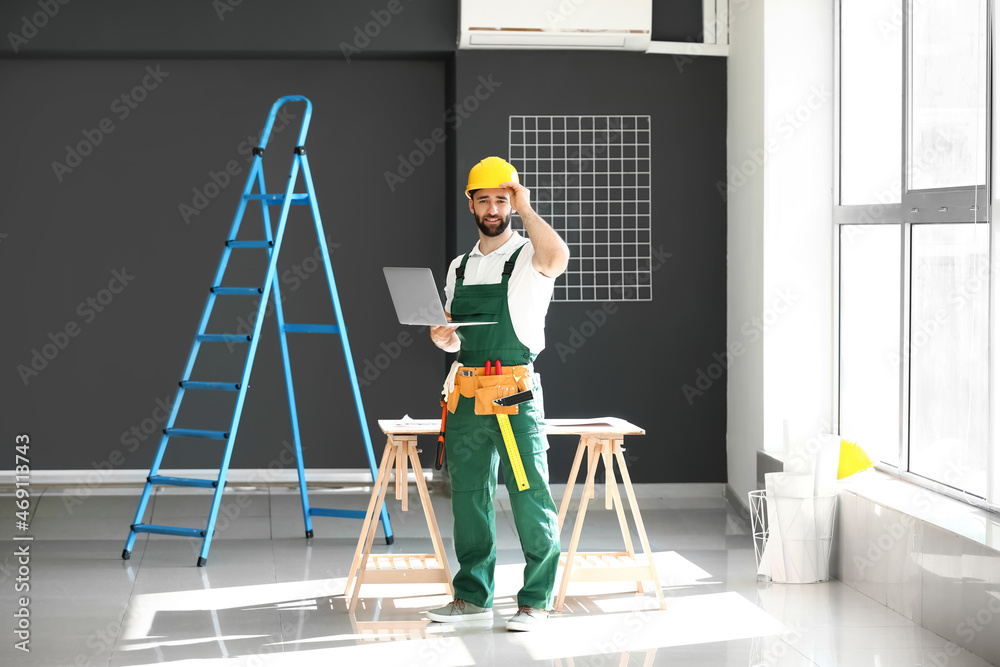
<point>745,241</point>
<point>780,303</point>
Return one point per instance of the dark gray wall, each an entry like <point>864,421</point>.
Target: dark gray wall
<point>678,21</point>
<point>635,364</point>
<point>61,240</point>
<point>228,28</point>
<point>118,210</point>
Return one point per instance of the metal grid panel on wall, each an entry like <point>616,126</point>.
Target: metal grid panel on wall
<point>590,179</point>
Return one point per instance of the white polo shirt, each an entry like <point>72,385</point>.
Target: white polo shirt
<point>528,291</point>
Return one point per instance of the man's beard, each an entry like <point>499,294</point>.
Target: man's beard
<point>500,228</point>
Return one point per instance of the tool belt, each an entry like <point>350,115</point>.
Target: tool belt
<point>472,382</point>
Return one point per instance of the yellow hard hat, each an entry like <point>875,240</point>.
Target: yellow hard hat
<point>490,173</point>
<point>852,459</point>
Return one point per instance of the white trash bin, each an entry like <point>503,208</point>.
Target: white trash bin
<point>793,536</point>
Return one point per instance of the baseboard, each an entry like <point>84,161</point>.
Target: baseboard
<point>736,501</point>
<point>236,476</point>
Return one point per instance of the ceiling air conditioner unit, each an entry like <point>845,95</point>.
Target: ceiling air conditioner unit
<point>617,25</point>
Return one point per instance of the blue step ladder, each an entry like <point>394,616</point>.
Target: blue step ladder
<point>272,244</point>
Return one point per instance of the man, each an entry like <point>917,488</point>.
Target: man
<point>507,279</point>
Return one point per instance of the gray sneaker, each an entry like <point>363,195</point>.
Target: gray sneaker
<point>458,611</point>
<point>527,619</point>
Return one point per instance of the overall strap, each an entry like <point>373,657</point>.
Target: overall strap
<point>508,266</point>
<point>460,270</point>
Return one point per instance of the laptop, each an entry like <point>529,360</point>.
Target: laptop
<point>416,297</point>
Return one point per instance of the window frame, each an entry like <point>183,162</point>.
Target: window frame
<point>938,205</point>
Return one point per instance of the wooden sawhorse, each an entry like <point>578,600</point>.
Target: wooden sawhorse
<point>604,446</point>
<point>600,438</point>
<point>400,449</point>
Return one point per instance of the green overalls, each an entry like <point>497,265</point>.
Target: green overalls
<point>475,446</point>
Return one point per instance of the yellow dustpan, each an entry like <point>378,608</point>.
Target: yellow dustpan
<point>852,459</point>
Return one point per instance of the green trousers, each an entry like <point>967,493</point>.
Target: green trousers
<point>475,446</point>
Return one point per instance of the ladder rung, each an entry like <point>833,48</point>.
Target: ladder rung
<point>221,338</point>
<point>222,386</point>
<point>312,328</point>
<point>196,433</point>
<point>236,291</point>
<point>182,481</point>
<point>347,514</point>
<point>276,199</point>
<point>168,530</point>
<point>233,243</point>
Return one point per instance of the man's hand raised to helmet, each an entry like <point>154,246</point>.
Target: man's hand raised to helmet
<point>519,196</point>
<point>551,253</point>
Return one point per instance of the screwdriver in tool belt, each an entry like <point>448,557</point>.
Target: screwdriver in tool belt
<point>439,459</point>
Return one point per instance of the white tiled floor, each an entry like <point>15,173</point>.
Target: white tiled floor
<point>270,597</point>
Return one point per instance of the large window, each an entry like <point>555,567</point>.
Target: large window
<point>869,337</point>
<point>914,241</point>
<point>948,353</point>
<point>871,92</point>
<point>947,106</point>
